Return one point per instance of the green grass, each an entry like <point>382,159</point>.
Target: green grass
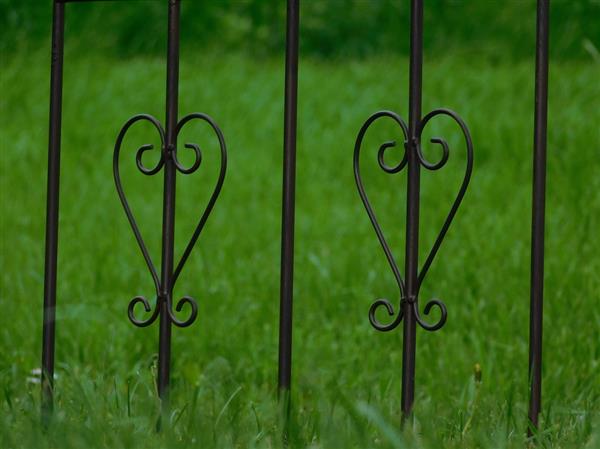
<point>346,376</point>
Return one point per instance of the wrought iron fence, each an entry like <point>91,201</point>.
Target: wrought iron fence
<point>413,159</point>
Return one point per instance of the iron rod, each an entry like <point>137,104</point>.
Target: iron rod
<point>168,237</point>
<point>52,200</point>
<point>288,200</point>
<point>412,214</point>
<point>538,214</point>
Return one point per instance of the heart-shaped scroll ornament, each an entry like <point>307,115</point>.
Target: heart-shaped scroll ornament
<point>165,154</point>
<point>411,145</point>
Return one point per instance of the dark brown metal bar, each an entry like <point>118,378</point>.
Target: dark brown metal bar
<point>168,237</point>
<point>538,214</point>
<point>288,201</point>
<point>413,158</point>
<point>412,215</point>
<point>50,271</point>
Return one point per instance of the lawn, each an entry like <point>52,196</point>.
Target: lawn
<point>346,375</point>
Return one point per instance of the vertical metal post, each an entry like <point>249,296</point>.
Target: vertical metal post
<point>412,214</point>
<point>538,213</point>
<point>288,202</point>
<point>168,237</point>
<point>50,270</point>
<point>409,287</point>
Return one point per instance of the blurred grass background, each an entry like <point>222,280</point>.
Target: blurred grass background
<point>478,61</point>
<point>355,28</point>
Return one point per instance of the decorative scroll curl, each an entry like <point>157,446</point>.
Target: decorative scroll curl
<point>414,145</point>
<point>164,293</point>
<point>363,194</point>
